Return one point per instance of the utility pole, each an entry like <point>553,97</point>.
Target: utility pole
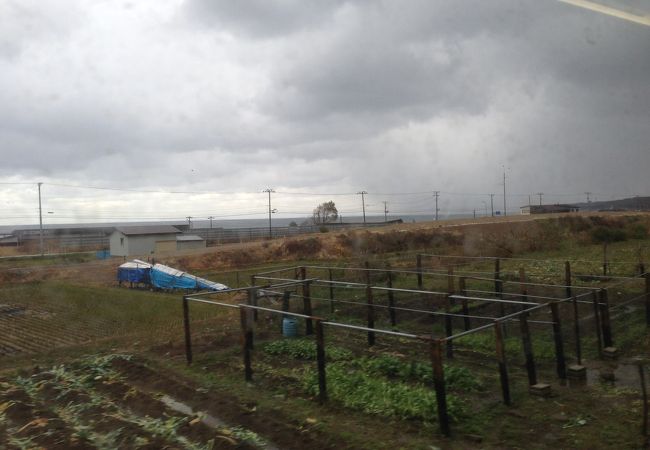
<point>210,219</point>
<point>269,190</point>
<point>588,194</point>
<point>492,204</point>
<point>529,202</point>
<point>385,210</point>
<point>436,194</point>
<point>189,222</point>
<point>475,213</point>
<point>505,211</point>
<point>40,219</point>
<point>540,197</point>
<point>363,204</point>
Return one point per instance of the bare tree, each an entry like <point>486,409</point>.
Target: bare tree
<point>325,213</point>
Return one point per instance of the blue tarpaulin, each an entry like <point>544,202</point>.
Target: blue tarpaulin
<point>164,277</point>
<point>134,272</point>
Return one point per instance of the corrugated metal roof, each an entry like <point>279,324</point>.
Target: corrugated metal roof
<point>153,229</point>
<point>189,237</point>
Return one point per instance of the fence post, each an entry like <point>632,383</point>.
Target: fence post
<point>644,399</point>
<point>523,288</point>
<point>604,317</point>
<point>391,296</point>
<point>331,290</point>
<point>237,278</point>
<point>498,286</point>
<point>605,262</point>
<point>647,299</point>
<point>247,342</point>
<point>320,362</point>
<point>451,287</point>
<point>439,385</point>
<point>567,279</point>
<point>559,344</point>
<point>418,264</point>
<point>371,315</point>
<point>188,335</point>
<point>448,327</point>
<point>366,264</point>
<point>501,358</point>
<point>598,322</point>
<point>252,297</point>
<point>306,305</point>
<point>462,290</point>
<point>576,329</point>
<point>527,345</point>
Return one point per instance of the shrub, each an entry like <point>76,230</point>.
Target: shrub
<point>606,235</point>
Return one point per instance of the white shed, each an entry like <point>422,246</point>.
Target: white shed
<point>189,242</point>
<point>143,240</point>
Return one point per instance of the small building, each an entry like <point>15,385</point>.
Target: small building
<point>143,240</point>
<point>189,242</point>
<point>8,240</point>
<point>549,209</point>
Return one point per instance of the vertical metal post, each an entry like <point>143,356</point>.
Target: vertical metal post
<point>527,345</point>
<point>559,344</point>
<point>523,288</point>
<point>501,358</point>
<point>247,342</point>
<point>647,299</point>
<point>371,315</point>
<point>598,324</point>
<point>604,318</point>
<point>252,300</point>
<point>448,327</point>
<point>331,290</point>
<point>439,385</point>
<point>451,286</point>
<point>418,265</point>
<point>391,297</point>
<point>567,279</point>
<point>498,285</point>
<point>644,399</point>
<point>605,262</point>
<point>306,301</point>
<point>320,361</point>
<point>464,302</point>
<point>188,335</point>
<point>576,329</point>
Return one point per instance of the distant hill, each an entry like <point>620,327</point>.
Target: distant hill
<point>625,204</point>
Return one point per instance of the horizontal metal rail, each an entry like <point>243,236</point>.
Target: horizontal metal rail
<point>495,300</point>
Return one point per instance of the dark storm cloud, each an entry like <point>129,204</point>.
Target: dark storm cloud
<point>381,95</point>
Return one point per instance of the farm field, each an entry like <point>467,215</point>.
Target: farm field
<point>87,364</point>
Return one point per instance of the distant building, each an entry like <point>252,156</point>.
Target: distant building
<point>548,209</point>
<point>143,240</point>
<point>189,242</point>
<point>8,240</point>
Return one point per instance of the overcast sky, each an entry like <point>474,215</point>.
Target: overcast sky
<point>226,98</point>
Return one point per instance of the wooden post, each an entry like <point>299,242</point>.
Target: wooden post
<point>604,318</point>
<point>320,362</point>
<point>188,335</point>
<point>498,286</point>
<point>247,342</point>
<point>559,344</point>
<point>366,264</point>
<point>252,297</point>
<point>523,288</point>
<point>451,288</point>
<point>306,307</point>
<point>331,291</point>
<point>605,262</point>
<point>647,299</point>
<point>567,279</point>
<point>449,327</point>
<point>371,315</point>
<point>501,358</point>
<point>237,278</point>
<point>644,399</point>
<point>418,263</point>
<point>462,290</point>
<point>576,329</point>
<point>598,323</point>
<point>527,345</point>
<point>439,385</point>
<point>391,297</point>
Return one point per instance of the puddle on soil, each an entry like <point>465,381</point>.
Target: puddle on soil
<point>209,420</point>
<point>621,375</point>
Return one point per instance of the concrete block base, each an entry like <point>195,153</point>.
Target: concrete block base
<point>610,353</point>
<point>577,372</point>
<point>540,389</point>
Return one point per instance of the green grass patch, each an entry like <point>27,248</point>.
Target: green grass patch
<point>305,349</point>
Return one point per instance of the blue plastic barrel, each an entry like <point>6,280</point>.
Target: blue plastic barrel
<point>289,327</point>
